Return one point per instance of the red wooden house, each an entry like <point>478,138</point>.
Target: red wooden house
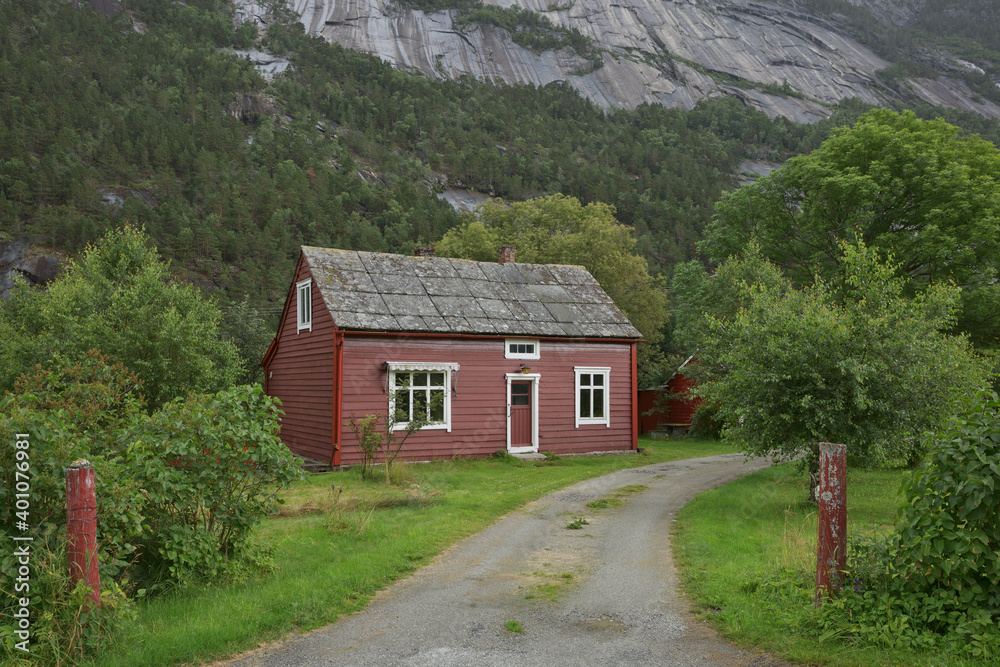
<point>498,356</point>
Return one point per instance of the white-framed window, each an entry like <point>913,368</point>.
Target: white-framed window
<point>420,389</point>
<point>304,304</point>
<point>593,395</point>
<point>520,348</point>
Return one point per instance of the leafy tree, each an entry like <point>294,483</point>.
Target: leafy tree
<point>119,299</point>
<point>909,187</point>
<point>696,294</point>
<point>250,332</point>
<point>560,230</point>
<point>854,362</point>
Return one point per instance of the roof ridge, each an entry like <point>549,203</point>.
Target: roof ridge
<point>445,257</point>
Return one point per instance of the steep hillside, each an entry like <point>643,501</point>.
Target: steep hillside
<point>944,52</point>
<point>791,59</point>
<point>233,142</point>
<point>152,116</point>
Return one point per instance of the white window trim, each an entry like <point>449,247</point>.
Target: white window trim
<point>303,288</point>
<point>594,370</point>
<point>522,355</point>
<point>535,379</point>
<point>421,366</point>
<point>409,366</point>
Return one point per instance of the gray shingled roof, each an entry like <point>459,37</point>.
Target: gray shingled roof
<point>372,291</point>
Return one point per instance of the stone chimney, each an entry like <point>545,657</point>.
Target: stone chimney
<point>506,254</point>
<point>424,251</point>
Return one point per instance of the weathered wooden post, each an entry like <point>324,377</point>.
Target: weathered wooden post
<point>81,523</point>
<point>832,496</point>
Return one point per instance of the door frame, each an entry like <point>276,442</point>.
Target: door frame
<point>534,379</point>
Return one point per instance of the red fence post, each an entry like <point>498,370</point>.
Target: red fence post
<point>81,522</point>
<point>832,495</point>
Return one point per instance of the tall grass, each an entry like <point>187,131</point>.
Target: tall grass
<point>335,547</point>
<point>747,554</point>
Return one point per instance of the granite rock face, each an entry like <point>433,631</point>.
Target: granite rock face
<point>899,12</point>
<point>461,199</point>
<point>268,65</point>
<point>653,51</point>
<point>20,262</point>
<point>672,52</point>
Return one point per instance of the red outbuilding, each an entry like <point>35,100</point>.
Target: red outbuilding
<point>669,408</point>
<point>497,356</point>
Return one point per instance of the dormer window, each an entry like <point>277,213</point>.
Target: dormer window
<point>520,348</point>
<point>304,304</point>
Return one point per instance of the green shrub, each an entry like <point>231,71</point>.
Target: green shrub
<point>371,440</point>
<point>949,540</point>
<point>79,411</point>
<point>935,583</point>
<point>211,467</point>
<point>100,397</point>
<point>178,493</point>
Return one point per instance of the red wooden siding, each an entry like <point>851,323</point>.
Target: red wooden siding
<point>479,398</point>
<point>300,373</point>
<point>675,411</point>
<point>682,409</point>
<point>647,402</point>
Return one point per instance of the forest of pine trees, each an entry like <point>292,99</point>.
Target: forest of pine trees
<point>132,119</point>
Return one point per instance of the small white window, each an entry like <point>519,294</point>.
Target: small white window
<point>592,396</point>
<point>519,348</point>
<point>304,304</point>
<point>420,389</point>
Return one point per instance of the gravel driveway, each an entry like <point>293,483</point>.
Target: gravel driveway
<point>603,594</point>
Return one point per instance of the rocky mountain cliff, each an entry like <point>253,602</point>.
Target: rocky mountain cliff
<point>674,52</point>
<point>899,12</point>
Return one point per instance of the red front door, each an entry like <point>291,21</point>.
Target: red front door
<point>520,414</point>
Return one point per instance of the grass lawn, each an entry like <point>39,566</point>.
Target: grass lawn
<point>747,554</point>
<point>335,547</point>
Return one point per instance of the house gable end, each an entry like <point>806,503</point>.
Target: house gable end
<point>299,370</point>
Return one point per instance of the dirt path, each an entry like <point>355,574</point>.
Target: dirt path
<point>604,594</point>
